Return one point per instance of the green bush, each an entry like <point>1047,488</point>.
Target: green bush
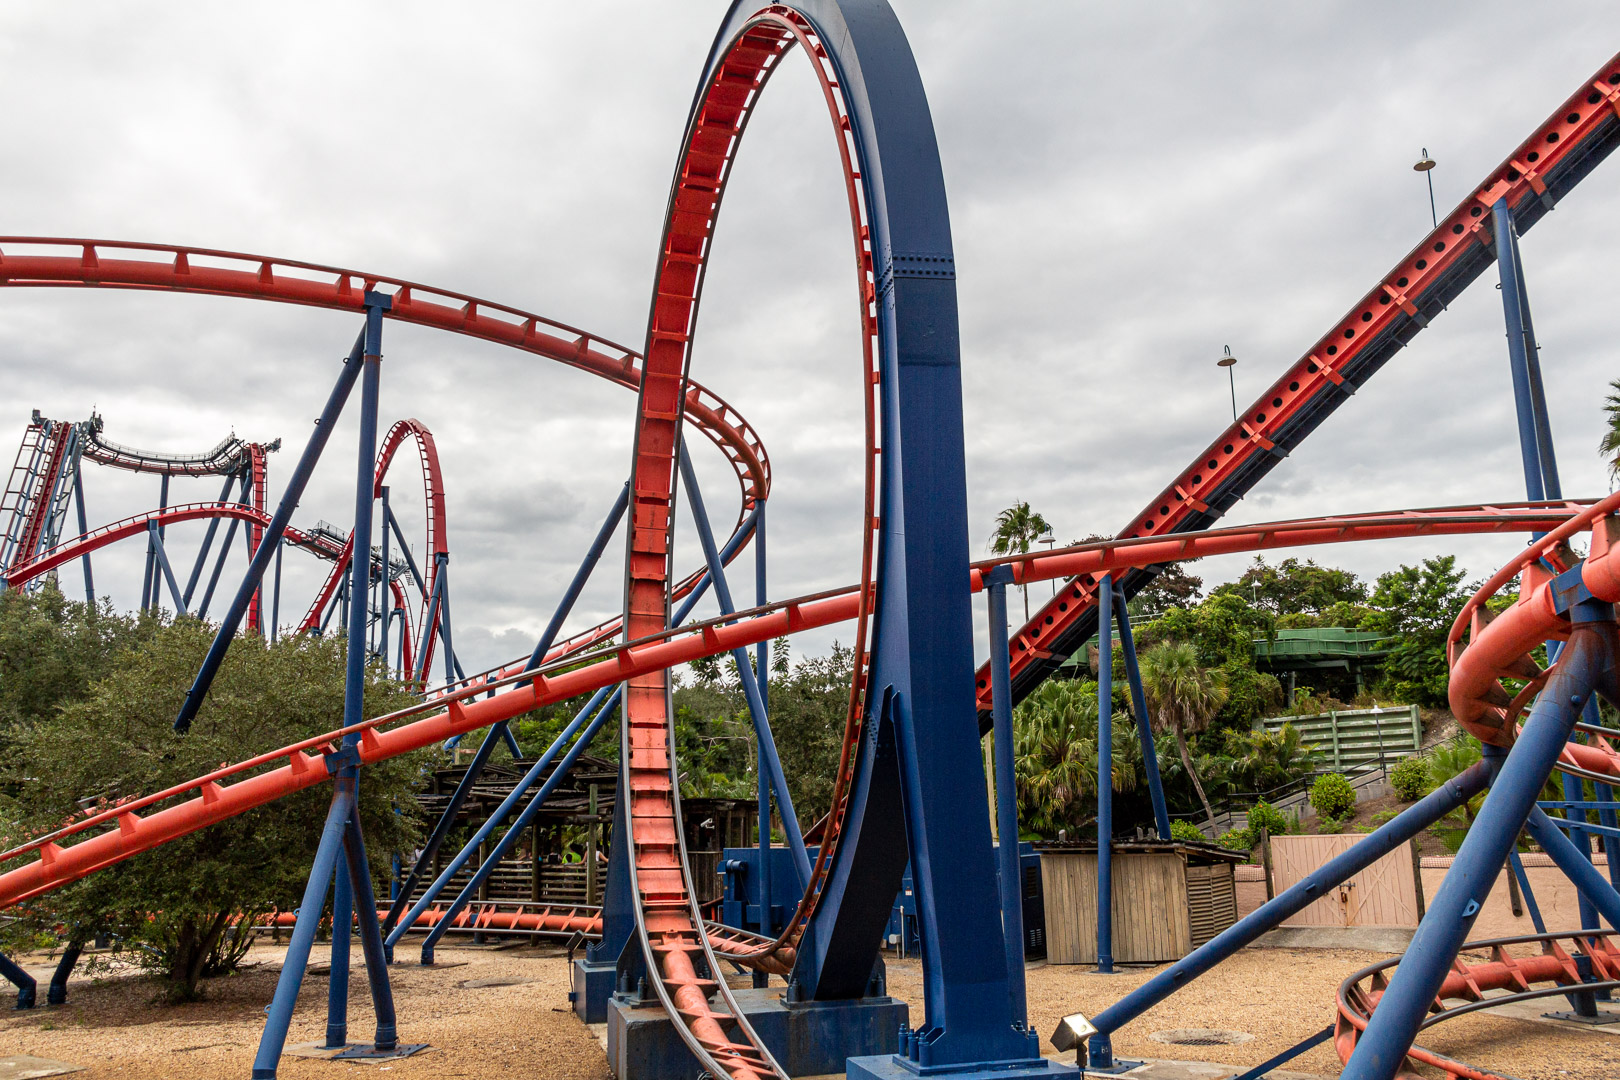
<point>1186,832</point>
<point>1236,840</point>
<point>1411,779</point>
<point>1333,797</point>
<point>1262,815</point>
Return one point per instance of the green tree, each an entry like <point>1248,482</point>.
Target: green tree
<point>176,905</point>
<point>1056,755</point>
<point>1171,587</point>
<point>1016,528</point>
<point>1297,587</point>
<point>1264,760</point>
<point>1183,697</point>
<point>1609,445</point>
<point>1417,605</point>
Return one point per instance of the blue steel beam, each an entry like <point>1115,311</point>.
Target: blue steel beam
<point>1105,776</point>
<point>207,544</point>
<point>1011,879</point>
<point>1144,725</point>
<point>768,759</point>
<point>278,523</point>
<point>78,506</point>
<point>1411,821</point>
<point>1404,1004</point>
<point>155,536</point>
<point>27,988</point>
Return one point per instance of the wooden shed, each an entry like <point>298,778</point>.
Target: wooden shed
<point>1169,898</point>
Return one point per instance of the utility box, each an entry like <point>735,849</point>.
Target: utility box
<point>1169,898</point>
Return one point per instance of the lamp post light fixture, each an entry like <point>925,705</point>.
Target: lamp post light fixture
<point>1227,361</point>
<point>1425,165</point>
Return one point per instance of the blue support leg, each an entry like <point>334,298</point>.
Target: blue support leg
<point>358,874</point>
<point>1010,876</point>
<point>57,993</point>
<point>24,982</point>
<point>756,704</point>
<point>166,570</point>
<point>376,304</point>
<point>1411,821</point>
<point>337,983</point>
<point>1516,864</point>
<point>207,543</point>
<point>303,936</point>
<point>1105,776</point>
<point>1401,1010</point>
<point>1144,725</point>
<point>84,527</point>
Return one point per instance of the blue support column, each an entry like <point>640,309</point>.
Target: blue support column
<point>1575,865</point>
<point>208,542</point>
<point>385,1038</point>
<point>27,988</point>
<point>275,596</point>
<point>1011,878</point>
<point>470,891</point>
<point>57,993</point>
<point>767,921</point>
<point>1144,726</point>
<point>376,304</point>
<point>387,599</point>
<point>166,570</point>
<point>444,620</point>
<point>1105,776</point>
<point>78,507</point>
<point>149,581</point>
<point>1516,864</point>
<point>1512,798</point>
<point>337,983</point>
<point>745,674</point>
<point>1411,821</point>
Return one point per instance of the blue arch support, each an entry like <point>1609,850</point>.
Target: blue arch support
<point>921,745</point>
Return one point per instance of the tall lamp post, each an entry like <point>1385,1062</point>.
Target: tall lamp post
<point>1425,165</point>
<point>1227,361</point>
<point>1049,540</point>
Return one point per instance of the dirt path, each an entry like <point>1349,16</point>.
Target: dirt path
<point>524,1029</point>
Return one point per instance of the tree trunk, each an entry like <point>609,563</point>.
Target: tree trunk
<point>1026,605</point>
<point>1192,773</point>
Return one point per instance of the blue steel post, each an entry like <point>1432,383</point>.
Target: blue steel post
<point>386,598</point>
<point>1512,798</point>
<point>337,983</point>
<point>745,674</point>
<point>149,581</point>
<point>207,543</point>
<point>375,302</point>
<point>767,922</point>
<point>1411,821</point>
<point>165,570</point>
<point>523,821</point>
<point>385,1036</point>
<point>1144,725</point>
<point>78,506</point>
<point>57,992</point>
<point>444,619</point>
<point>1575,865</point>
<point>27,988</point>
<point>1012,901</point>
<point>1105,776</point>
<point>275,597</point>
<point>219,568</point>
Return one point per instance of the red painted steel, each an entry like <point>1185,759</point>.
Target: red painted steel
<point>1517,180</point>
<point>1469,982</point>
<point>558,680</point>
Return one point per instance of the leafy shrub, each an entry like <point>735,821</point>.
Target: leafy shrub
<point>1333,797</point>
<point>1411,779</point>
<point>1328,826</point>
<point>1236,840</point>
<point>1186,832</point>
<point>1265,816</point>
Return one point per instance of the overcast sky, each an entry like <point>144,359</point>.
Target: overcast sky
<point>1132,188</point>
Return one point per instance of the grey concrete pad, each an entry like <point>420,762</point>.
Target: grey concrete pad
<point>322,1053</point>
<point>25,1067</point>
<point>1382,939</point>
<point>1167,1069</point>
<point>1536,1009</point>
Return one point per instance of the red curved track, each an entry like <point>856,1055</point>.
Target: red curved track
<point>467,710</point>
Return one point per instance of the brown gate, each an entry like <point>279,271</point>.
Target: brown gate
<point>1384,894</point>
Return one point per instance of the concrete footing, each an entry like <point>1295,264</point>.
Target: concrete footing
<point>810,1039</point>
<point>590,986</point>
<point>893,1067</point>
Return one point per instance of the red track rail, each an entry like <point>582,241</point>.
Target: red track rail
<point>1198,494</point>
<point>267,777</point>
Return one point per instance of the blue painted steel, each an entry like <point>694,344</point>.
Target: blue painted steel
<point>1394,1024</point>
<point>155,536</point>
<point>303,935</point>
<point>56,994</point>
<point>24,982</point>
<point>501,731</point>
<point>1260,1070</point>
<point>507,805</point>
<point>385,1036</point>
<point>275,597</point>
<point>219,568</point>
<point>1144,724</point>
<point>444,620</point>
<point>337,982</point>
<point>1581,827</point>
<point>469,892</point>
<point>78,507</point>
<point>278,523</point>
<point>1517,865</point>
<point>1010,880</point>
<point>207,544</point>
<point>1576,866</point>
<point>386,600</point>
<point>1411,821</point>
<point>405,550</point>
<point>1105,776</point>
<point>768,759</point>
<point>767,921</point>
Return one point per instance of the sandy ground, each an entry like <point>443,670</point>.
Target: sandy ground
<point>113,1026</point>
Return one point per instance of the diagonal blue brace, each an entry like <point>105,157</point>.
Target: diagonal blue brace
<point>155,537</point>
<point>768,759</point>
<point>24,982</point>
<point>376,303</point>
<point>208,542</point>
<point>1011,880</point>
<point>1144,726</point>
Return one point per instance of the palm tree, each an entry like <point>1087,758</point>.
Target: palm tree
<point>1609,445</point>
<point>1016,528</point>
<point>1182,696</point>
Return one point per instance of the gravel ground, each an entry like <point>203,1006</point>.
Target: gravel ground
<point>524,1029</point>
